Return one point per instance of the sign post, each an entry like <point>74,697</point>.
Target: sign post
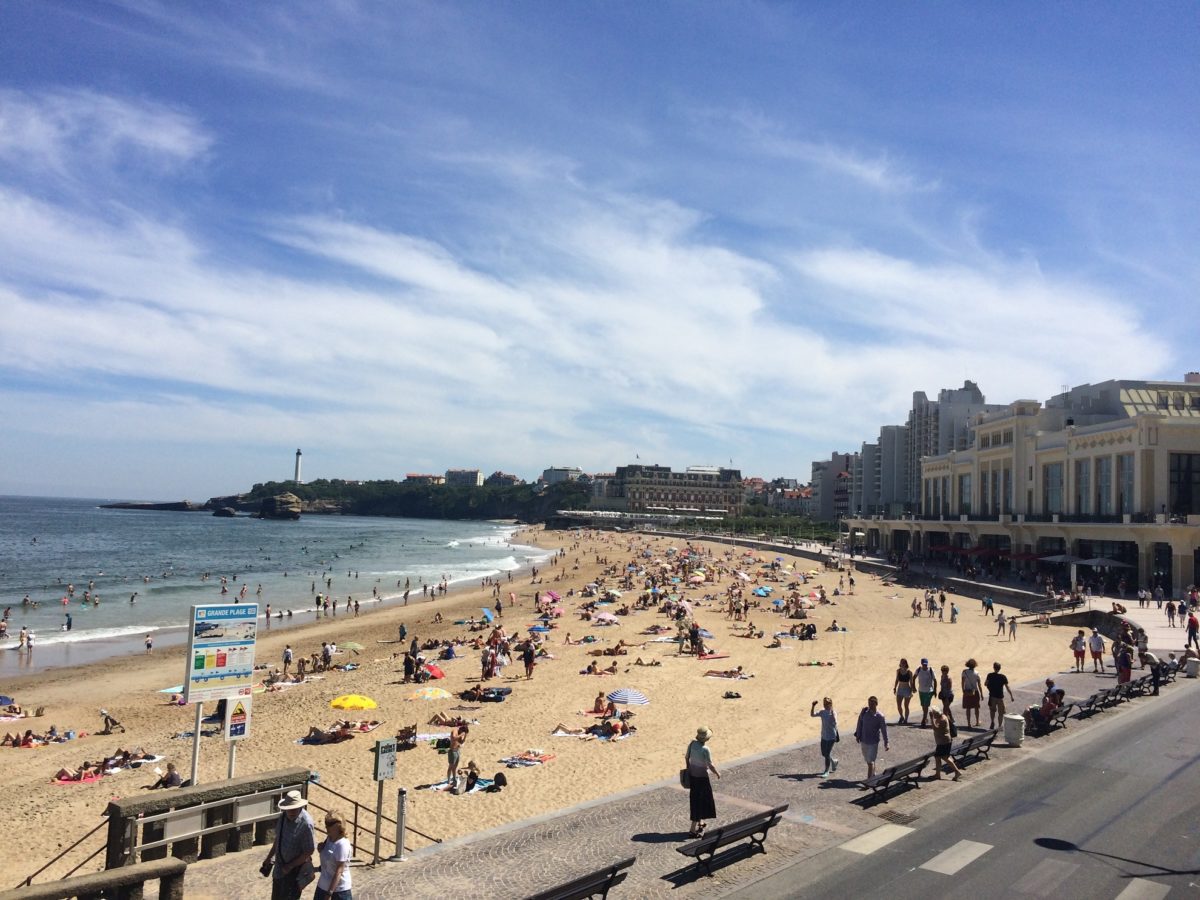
<point>385,768</point>
<point>220,663</point>
<point>237,726</point>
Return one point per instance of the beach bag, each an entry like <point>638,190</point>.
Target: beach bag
<point>837,736</point>
<point>685,778</point>
<point>305,874</point>
<point>953,729</point>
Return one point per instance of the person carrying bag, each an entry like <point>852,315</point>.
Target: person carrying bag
<point>289,862</point>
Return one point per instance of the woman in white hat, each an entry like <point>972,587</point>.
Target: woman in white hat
<point>700,795</point>
<point>295,841</point>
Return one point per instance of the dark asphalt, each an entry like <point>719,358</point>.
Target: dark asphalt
<point>1112,812</point>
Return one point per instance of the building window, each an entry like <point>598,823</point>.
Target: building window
<point>1125,500</point>
<point>1184,494</point>
<point>1104,502</point>
<point>1083,486</point>
<point>985,441</point>
<point>1164,400</point>
<point>964,495</point>
<point>1052,488</point>
<point>1195,401</point>
<point>1007,493</point>
<point>1178,399</point>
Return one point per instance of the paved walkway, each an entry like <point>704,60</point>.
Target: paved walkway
<point>516,860</point>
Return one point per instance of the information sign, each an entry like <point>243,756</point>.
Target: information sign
<point>220,659</point>
<point>385,759</point>
<point>237,718</point>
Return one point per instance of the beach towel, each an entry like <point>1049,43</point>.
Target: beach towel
<point>88,780</point>
<point>204,732</point>
<point>663,640</point>
<point>444,786</point>
<point>138,763</point>
<point>440,736</point>
<point>526,759</point>
<point>602,737</point>
<point>730,677</point>
<point>713,656</point>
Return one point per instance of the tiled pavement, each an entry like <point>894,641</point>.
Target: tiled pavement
<point>518,859</point>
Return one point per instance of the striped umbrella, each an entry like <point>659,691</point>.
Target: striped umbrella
<point>629,697</point>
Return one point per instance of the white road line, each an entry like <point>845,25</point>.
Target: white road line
<point>954,858</point>
<point>1044,878</point>
<point>873,840</point>
<point>1141,889</point>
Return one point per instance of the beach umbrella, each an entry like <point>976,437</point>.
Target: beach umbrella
<point>615,594</point>
<point>1062,558</point>
<point>353,701</point>
<point>742,576</point>
<point>487,613</point>
<point>557,611</point>
<point>605,617</point>
<point>696,579</point>
<point>1106,562</point>
<point>592,585</point>
<point>430,693</point>
<point>9,701</point>
<point>628,697</point>
<point>351,645</point>
<point>777,603</point>
<point>434,671</point>
<point>553,595</point>
<point>178,689</point>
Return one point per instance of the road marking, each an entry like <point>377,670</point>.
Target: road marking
<point>1141,889</point>
<point>880,837</point>
<point>954,858</point>
<point>1044,878</point>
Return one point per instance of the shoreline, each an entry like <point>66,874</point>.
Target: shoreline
<point>17,667</point>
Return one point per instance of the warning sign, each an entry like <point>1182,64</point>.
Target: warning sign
<point>237,718</point>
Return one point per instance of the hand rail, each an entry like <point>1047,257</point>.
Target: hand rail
<point>104,823</point>
<point>383,816</point>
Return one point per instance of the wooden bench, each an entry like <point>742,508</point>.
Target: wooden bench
<point>979,745</point>
<point>1166,675</point>
<point>905,772</point>
<point>1057,719</point>
<point>754,828</point>
<point>1093,704</point>
<point>587,886</point>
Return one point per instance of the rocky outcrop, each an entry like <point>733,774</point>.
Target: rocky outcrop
<point>225,512</point>
<point>281,506</point>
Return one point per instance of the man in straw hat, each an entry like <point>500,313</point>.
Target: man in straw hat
<point>290,858</point>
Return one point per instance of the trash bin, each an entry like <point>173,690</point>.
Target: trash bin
<point>1193,668</point>
<point>1014,730</point>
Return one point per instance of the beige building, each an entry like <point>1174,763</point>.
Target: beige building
<point>699,490</point>
<point>1106,471</point>
<point>464,477</point>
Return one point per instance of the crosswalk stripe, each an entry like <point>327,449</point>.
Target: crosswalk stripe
<point>1044,878</point>
<point>879,837</point>
<point>954,858</point>
<point>1141,889</point>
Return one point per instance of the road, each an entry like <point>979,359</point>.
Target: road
<point>1114,812</point>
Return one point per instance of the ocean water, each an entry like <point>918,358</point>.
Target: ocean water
<point>47,544</point>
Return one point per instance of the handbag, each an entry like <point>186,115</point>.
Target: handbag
<point>685,778</point>
<point>837,737</point>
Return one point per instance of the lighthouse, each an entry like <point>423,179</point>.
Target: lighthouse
<point>297,478</point>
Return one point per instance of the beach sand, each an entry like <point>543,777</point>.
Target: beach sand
<point>772,711</point>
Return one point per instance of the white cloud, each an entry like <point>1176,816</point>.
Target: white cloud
<point>57,131</point>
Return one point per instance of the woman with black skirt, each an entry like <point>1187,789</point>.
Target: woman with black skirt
<point>700,795</point>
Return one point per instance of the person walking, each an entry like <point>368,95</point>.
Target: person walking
<point>946,690</point>
<point>334,881</point>
<point>287,659</point>
<point>698,761</point>
<point>1193,629</point>
<point>870,730</point>
<point>926,688</point>
<point>1001,621</point>
<point>1124,663</point>
<point>971,684</point>
<point>1096,646</point>
<point>829,733</point>
<point>902,687</point>
<point>942,739</point>
<point>1170,613</point>
<point>996,685</point>
<point>290,858</point>
<point>1012,628</point>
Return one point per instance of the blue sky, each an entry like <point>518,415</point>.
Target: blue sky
<point>414,236</point>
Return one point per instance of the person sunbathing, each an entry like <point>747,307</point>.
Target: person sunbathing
<point>341,732</point>
<point>611,670</point>
<point>560,728</point>
<point>639,662</point>
<point>85,770</point>
<point>728,673</point>
<point>474,694</point>
<point>446,721</point>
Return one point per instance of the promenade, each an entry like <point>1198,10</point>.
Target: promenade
<point>516,860</point>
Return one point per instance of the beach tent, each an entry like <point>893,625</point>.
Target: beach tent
<point>487,613</point>
<point>552,595</point>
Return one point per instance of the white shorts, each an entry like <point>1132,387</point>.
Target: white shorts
<point>869,751</point>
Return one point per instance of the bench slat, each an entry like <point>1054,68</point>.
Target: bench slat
<point>587,886</point>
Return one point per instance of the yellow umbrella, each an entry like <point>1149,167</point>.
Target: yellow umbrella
<point>353,701</point>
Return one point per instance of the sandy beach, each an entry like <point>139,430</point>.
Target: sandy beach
<point>772,710</point>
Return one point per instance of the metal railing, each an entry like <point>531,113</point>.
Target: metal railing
<point>359,809</point>
<point>103,824</point>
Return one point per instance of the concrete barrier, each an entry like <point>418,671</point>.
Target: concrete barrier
<point>125,883</point>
